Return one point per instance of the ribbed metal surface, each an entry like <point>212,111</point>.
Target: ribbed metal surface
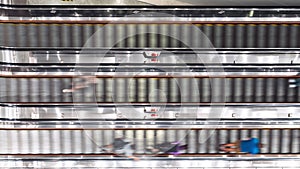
<point>116,35</point>
<point>276,141</point>
<point>144,90</point>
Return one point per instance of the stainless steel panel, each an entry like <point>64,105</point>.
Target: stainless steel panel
<point>32,31</point>
<point>24,141</point>
<point>290,95</point>
<point>65,35</point>
<point>156,162</point>
<point>77,141</point>
<point>173,32</point>
<point>233,135</point>
<point>120,93</point>
<point>255,134</point>
<point>35,142</point>
<point>150,139</point>
<point>21,35</point>
<point>266,141</point>
<point>66,84</point>
<point>215,3</point>
<point>55,147</point>
<point>283,35</point>
<point>131,37</point>
<point>185,37</point>
<point>206,90</point>
<point>295,145</point>
<point>160,136</point>
<point>192,142</point>
<point>11,89</point>
<point>184,89</point>
<point>34,90</point>
<point>252,111</point>
<point>203,140</point>
<point>217,89</point>
<point>42,38</point>
<point>3,90</point>
<point>2,40</point>
<point>259,92</point>
<point>45,90</point>
<point>293,32</point>
<point>249,89</point>
<point>281,87</point>
<point>5,145</point>
<point>194,90</point>
<point>273,35</point>
<point>212,141</point>
<point>228,90</point>
<point>87,32</point>
<point>267,56</point>
<point>240,35</point>
<point>275,141</point>
<point>208,32</point>
<point>218,32</point>
<point>163,32</point>
<point>132,92</point>
<point>270,91</point>
<point>174,90</point>
<point>244,134</point>
<point>46,142</point>
<point>261,31</point>
<point>152,36</point>
<point>100,89</point>
<point>56,90</point>
<point>229,33</point>
<point>153,90</point>
<point>96,139</point>
<point>139,141</point>
<point>141,33</point>
<point>54,35</point>
<point>182,134</point>
<point>76,35</point>
<point>250,43</point>
<point>15,142</point>
<point>286,141</point>
<point>142,92</point>
<point>121,35</point>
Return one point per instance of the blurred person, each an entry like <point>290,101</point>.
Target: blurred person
<point>250,146</point>
<point>120,145</point>
<point>87,81</point>
<point>173,148</point>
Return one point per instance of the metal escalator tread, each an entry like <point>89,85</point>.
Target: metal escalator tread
<point>108,90</point>
<point>76,35</point>
<point>67,141</point>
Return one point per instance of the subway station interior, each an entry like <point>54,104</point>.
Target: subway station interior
<point>77,75</point>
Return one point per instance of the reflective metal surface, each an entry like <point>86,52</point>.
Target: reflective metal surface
<point>155,2</point>
<point>149,35</point>
<point>287,112</point>
<point>143,124</point>
<point>203,142</point>
<point>154,163</point>
<point>76,75</point>
<point>167,56</point>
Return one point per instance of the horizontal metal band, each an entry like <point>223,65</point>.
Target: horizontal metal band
<point>150,112</point>
<point>146,3</point>
<point>153,163</point>
<point>148,124</point>
<point>97,57</point>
